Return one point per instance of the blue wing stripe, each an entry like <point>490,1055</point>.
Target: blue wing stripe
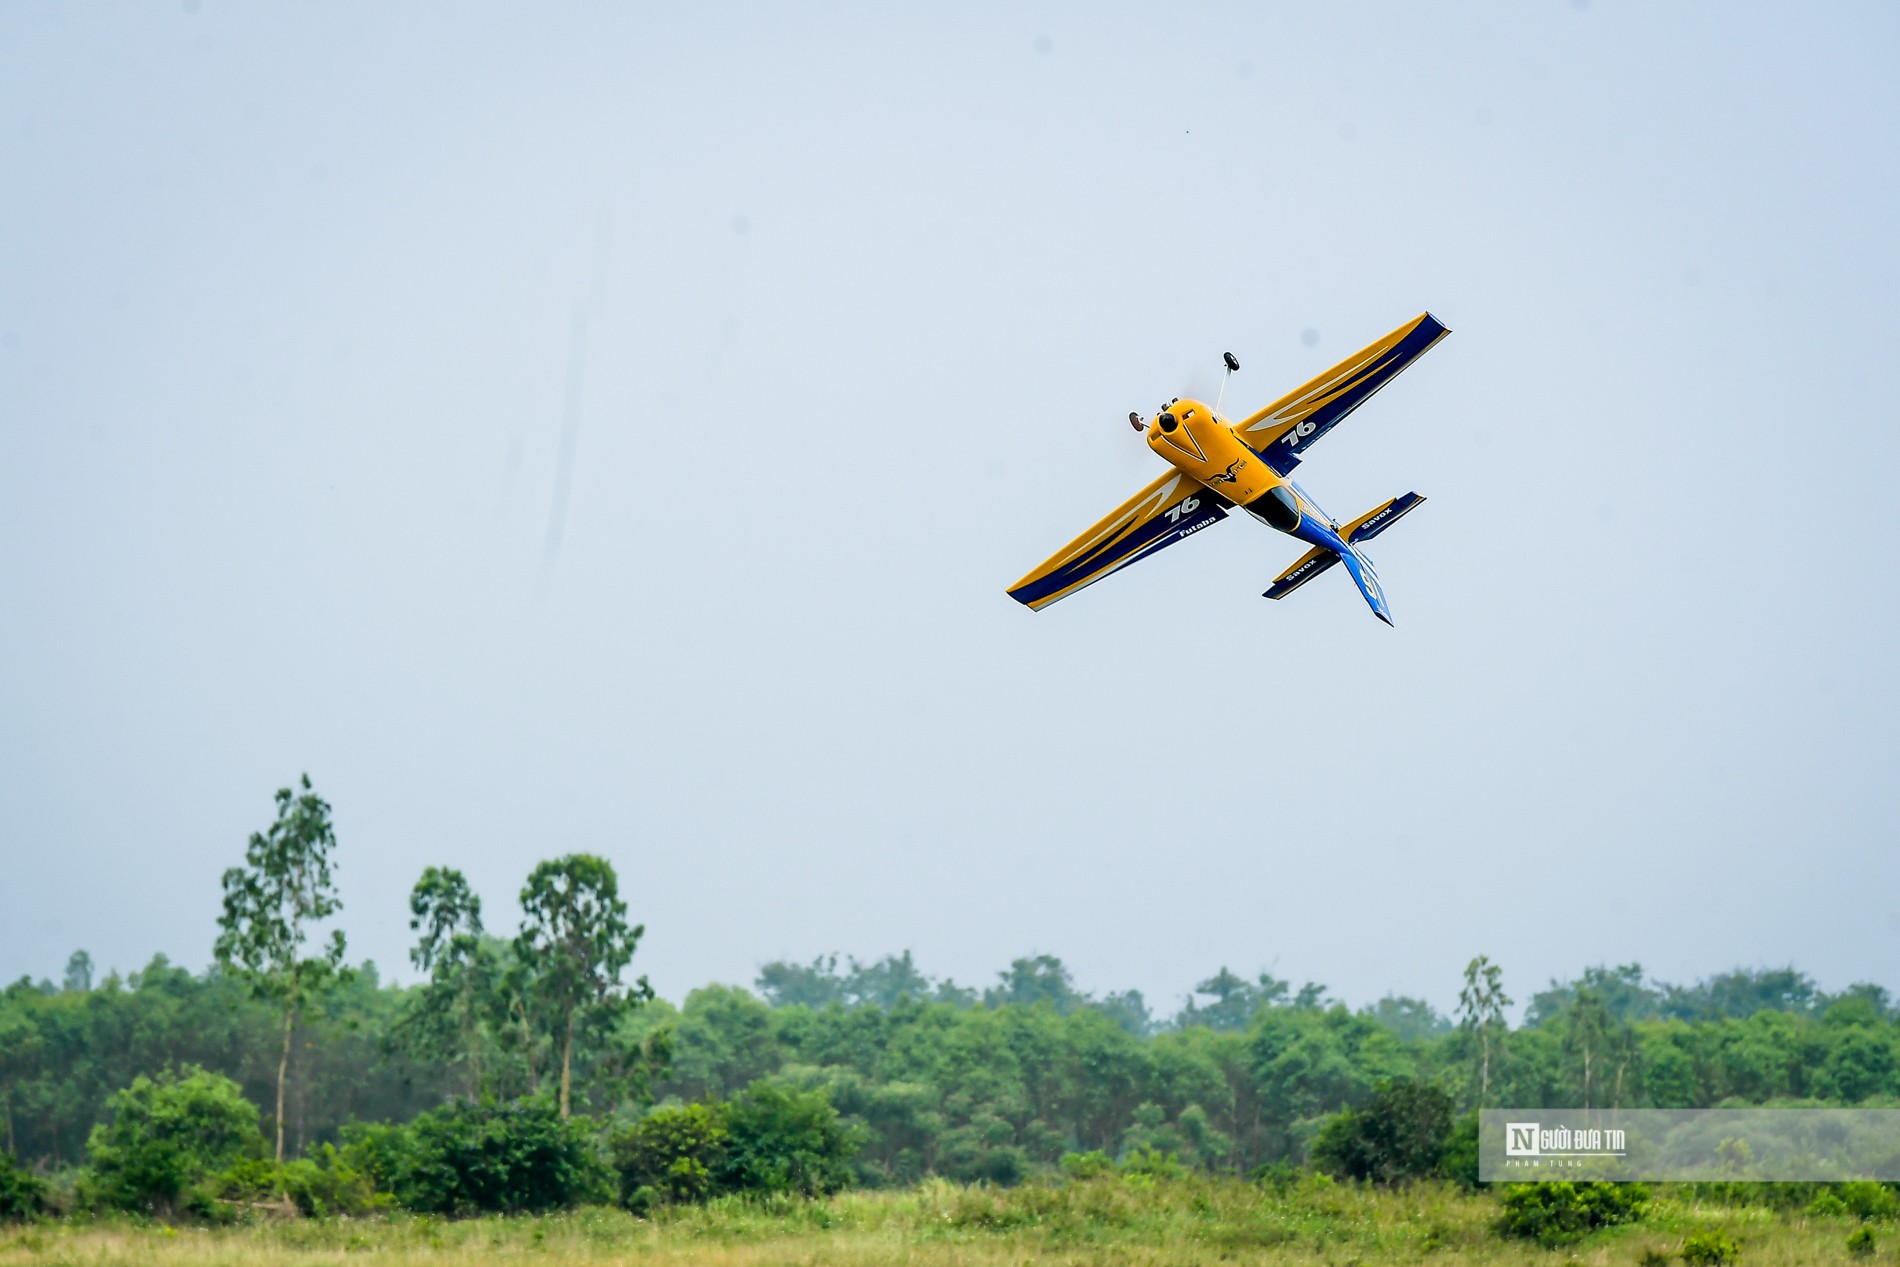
<point>1283,453</point>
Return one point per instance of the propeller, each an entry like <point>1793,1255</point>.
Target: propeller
<point>1227,359</point>
<point>1196,388</point>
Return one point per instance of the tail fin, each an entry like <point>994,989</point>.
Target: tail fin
<point>1364,528</point>
<point>1368,581</point>
<point>1317,560</point>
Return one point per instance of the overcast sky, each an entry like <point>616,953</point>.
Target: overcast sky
<point>613,428</point>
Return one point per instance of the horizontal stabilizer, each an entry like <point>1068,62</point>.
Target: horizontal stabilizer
<point>1311,564</point>
<point>1376,521</point>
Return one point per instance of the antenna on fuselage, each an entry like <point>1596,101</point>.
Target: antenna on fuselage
<point>1227,358</point>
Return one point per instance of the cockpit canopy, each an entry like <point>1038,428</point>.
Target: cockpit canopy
<point>1277,508</point>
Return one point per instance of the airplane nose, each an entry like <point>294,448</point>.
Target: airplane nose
<point>1168,422</point>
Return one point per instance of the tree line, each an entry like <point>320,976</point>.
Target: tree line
<point>924,1076</point>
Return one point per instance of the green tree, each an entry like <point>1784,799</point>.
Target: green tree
<point>784,1140</point>
<point>21,1047</point>
<point>484,1158</point>
<point>890,981</point>
<point>1037,979</point>
<point>1234,1001</point>
<point>1589,1033</point>
<point>786,984</point>
<point>22,1194</point>
<point>1127,1009</point>
<point>284,886</point>
<point>1741,994</point>
<point>724,1040</point>
<point>674,1154</point>
<point>78,973</point>
<point>576,941</point>
<point>1623,990</point>
<point>167,1133</point>
<point>1400,1135</point>
<point>1481,1007</point>
<point>1861,1064</point>
<point>448,915</point>
<point>1407,1018</point>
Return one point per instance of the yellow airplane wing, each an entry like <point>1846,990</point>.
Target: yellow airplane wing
<point>1281,432</point>
<point>1171,508</point>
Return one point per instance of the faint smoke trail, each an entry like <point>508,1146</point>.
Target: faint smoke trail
<point>570,437</point>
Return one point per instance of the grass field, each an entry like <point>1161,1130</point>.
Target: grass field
<point>1101,1222</point>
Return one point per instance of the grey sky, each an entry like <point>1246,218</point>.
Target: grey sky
<point>851,304</point>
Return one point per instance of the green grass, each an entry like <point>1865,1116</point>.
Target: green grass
<point>1104,1221</point>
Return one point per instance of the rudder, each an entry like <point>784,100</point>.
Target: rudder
<point>1368,582</point>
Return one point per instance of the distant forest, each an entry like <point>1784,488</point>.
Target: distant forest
<point>935,1078</point>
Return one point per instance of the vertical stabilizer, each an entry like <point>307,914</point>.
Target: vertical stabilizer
<point>1368,582</point>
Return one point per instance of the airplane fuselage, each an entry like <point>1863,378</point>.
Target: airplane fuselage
<point>1204,447</point>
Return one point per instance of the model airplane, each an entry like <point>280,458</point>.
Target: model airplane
<point>1221,465</point>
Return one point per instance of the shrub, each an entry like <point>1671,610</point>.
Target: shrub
<point>1826,1205</point>
<point>1150,1164</point>
<point>1460,1160</point>
<point>1399,1136</point>
<point>1094,1164</point>
<point>1279,1176</point>
<point>1555,1214</point>
<point>166,1134</point>
<point>488,1158</point>
<point>1652,1257</point>
<point>322,1184</point>
<point>966,1157</point>
<point>1869,1200</point>
<point>1709,1249</point>
<point>782,1140</point>
<point>22,1194</point>
<point>671,1155</point>
<point>1860,1242</point>
<point>767,1139</point>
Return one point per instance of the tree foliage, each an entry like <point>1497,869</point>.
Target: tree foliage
<point>768,1139</point>
<point>675,1154</point>
<point>520,1157</point>
<point>285,886</point>
<point>954,1089</point>
<point>22,1194</point>
<point>1554,1214</point>
<point>165,1134</point>
<point>1400,1135</point>
<point>1481,1005</point>
<point>452,1011</point>
<point>574,943</point>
